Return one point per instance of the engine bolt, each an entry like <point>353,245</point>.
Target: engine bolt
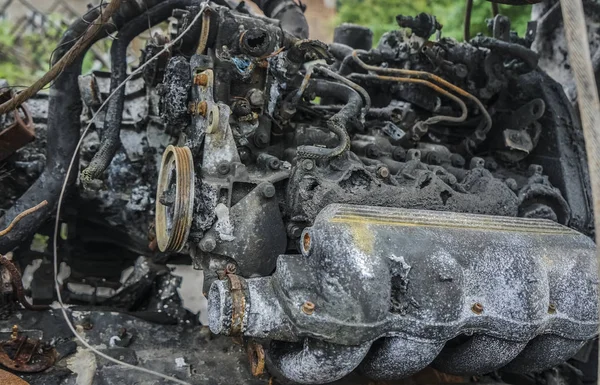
<point>231,268</point>
<point>223,168</point>
<point>308,164</point>
<point>551,308</point>
<point>383,172</point>
<point>261,139</point>
<point>294,231</point>
<point>476,162</point>
<point>274,164</point>
<point>201,79</point>
<point>268,190</point>
<point>308,308</point>
<point>256,97</point>
<point>477,308</point>
<point>208,244</point>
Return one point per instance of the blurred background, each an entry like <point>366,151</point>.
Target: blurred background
<point>30,29</point>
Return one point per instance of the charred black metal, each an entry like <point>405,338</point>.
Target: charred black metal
<point>109,143</point>
<point>353,208</point>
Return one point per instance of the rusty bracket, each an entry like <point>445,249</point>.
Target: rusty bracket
<point>18,133</point>
<point>26,355</point>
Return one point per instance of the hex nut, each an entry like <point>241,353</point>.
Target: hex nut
<point>477,308</point>
<point>268,190</point>
<point>308,308</point>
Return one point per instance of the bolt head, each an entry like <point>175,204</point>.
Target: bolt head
<point>477,162</point>
<point>208,244</point>
<point>261,139</point>
<point>308,308</point>
<point>294,231</point>
<point>274,164</point>
<point>383,172</point>
<point>231,268</point>
<point>223,168</point>
<point>268,190</point>
<point>477,308</point>
<point>256,98</point>
<point>308,164</point>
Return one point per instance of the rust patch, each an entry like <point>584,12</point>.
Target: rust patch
<point>239,304</point>
<point>26,355</point>
<point>363,236</point>
<point>7,378</point>
<point>477,308</point>
<point>256,356</point>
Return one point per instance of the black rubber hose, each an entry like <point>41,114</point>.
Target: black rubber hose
<point>288,13</point>
<point>114,112</point>
<point>63,130</point>
<point>525,54</point>
<point>338,122</point>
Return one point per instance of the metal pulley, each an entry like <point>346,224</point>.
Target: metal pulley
<point>174,198</point>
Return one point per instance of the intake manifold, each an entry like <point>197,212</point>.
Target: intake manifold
<point>394,290</point>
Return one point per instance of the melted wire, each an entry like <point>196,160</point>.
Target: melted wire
<point>22,215</point>
<point>351,84</point>
<point>60,201</point>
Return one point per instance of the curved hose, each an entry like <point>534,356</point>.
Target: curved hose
<point>114,113</point>
<point>337,123</point>
<point>516,50</point>
<point>349,83</point>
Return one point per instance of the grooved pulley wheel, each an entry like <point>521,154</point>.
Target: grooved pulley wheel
<point>174,198</point>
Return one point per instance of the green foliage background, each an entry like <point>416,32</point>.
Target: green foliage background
<point>380,15</point>
<point>24,61</point>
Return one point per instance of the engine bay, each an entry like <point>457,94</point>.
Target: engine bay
<point>359,210</point>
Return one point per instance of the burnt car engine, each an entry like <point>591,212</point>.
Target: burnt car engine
<point>377,208</point>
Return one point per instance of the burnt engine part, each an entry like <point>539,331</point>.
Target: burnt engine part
<point>352,206</point>
<point>395,290</point>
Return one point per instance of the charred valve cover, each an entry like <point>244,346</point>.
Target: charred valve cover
<point>393,290</point>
